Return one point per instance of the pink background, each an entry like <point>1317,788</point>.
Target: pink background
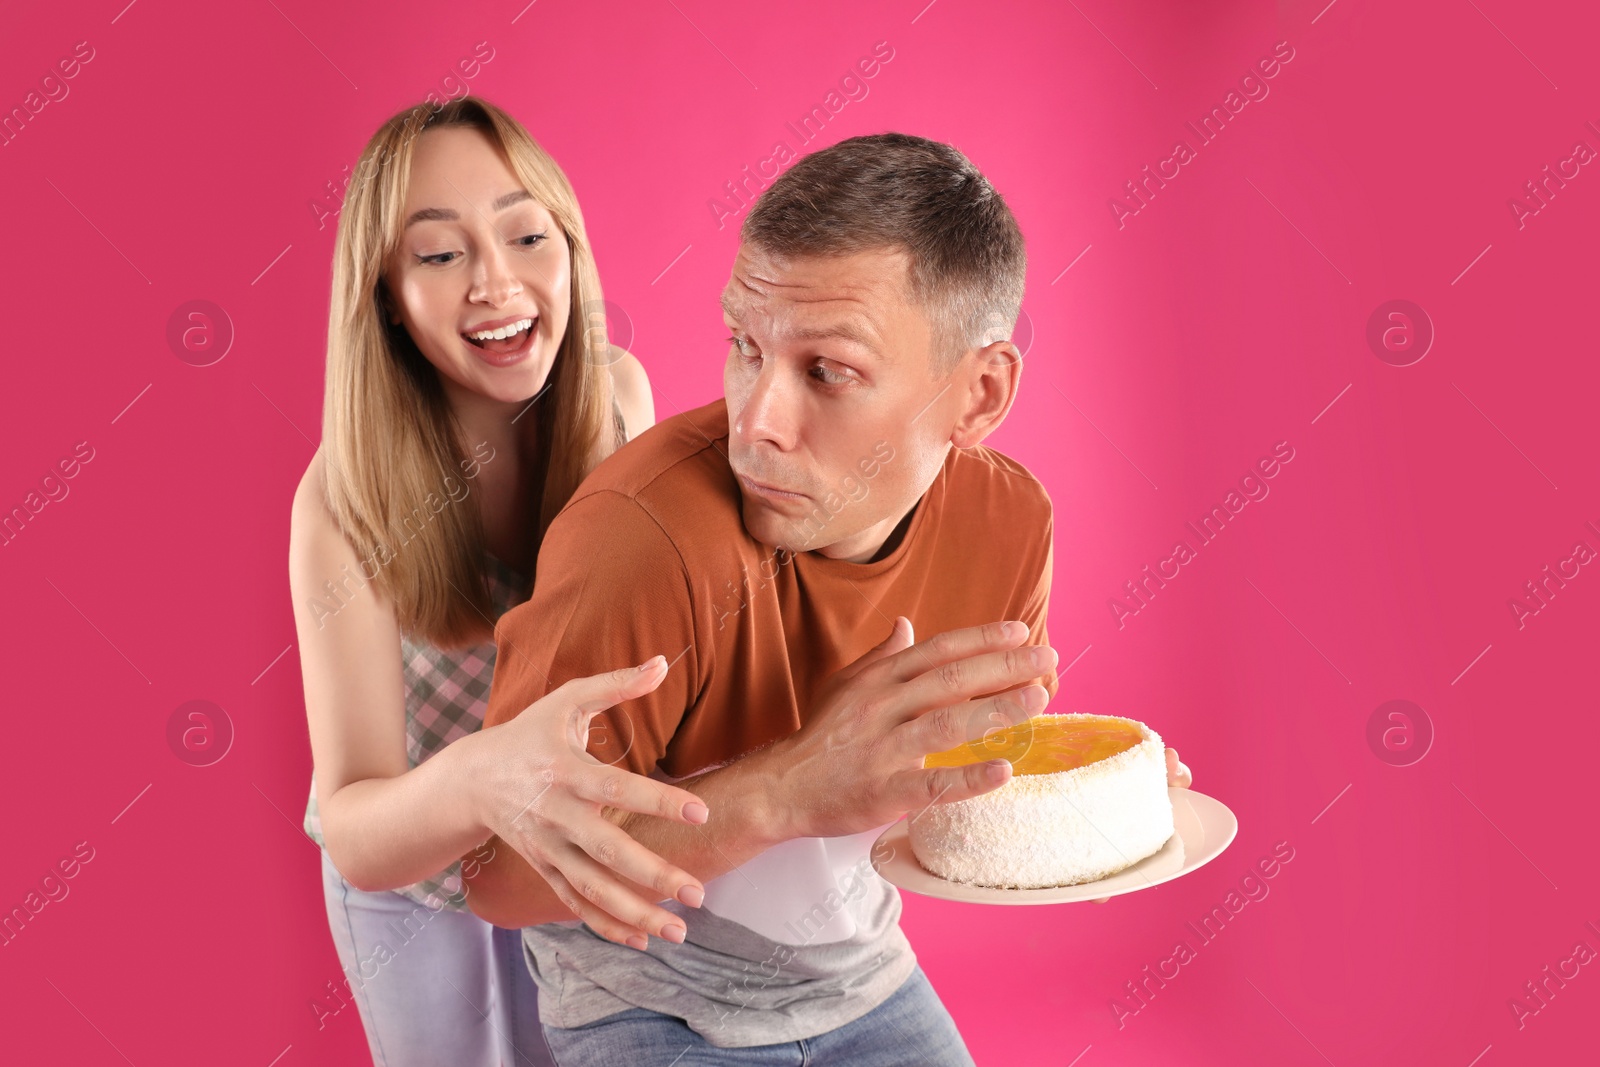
<point>1225,316</point>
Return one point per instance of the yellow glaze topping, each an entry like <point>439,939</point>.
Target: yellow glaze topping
<point>1045,744</point>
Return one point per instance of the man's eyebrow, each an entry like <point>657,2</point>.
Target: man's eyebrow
<point>444,214</point>
<point>842,331</point>
<point>845,331</point>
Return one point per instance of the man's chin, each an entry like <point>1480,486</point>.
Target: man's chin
<point>775,529</point>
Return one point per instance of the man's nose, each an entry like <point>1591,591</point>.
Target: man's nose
<point>769,412</point>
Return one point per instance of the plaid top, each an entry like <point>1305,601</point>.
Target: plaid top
<point>447,693</point>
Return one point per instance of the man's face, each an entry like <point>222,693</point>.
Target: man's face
<point>837,424</point>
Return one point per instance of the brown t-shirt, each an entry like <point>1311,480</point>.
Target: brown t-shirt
<point>651,556</point>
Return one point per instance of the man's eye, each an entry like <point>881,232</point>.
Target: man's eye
<point>738,342</point>
<point>829,377</point>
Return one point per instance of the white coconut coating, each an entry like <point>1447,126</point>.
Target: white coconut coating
<point>1063,828</point>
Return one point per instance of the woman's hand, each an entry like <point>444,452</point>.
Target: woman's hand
<point>541,792</point>
<point>1178,776</point>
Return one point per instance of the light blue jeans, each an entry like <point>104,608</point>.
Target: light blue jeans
<point>432,987</point>
<point>910,1029</point>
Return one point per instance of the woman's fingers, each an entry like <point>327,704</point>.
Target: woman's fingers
<point>581,699</point>
<point>614,910</point>
<point>602,923</point>
<point>602,863</point>
<point>614,787</point>
<point>598,692</point>
<point>614,848</point>
<point>600,872</point>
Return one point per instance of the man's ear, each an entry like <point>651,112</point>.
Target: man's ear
<point>990,376</point>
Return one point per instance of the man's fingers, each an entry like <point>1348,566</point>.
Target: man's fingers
<point>900,638</point>
<point>614,787</point>
<point>971,720</point>
<point>1177,773</point>
<point>973,676</point>
<point>950,646</point>
<point>917,790</point>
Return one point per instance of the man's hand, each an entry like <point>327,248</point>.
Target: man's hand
<point>857,762</point>
<point>1178,776</point>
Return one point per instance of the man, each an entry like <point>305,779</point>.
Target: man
<point>764,545</point>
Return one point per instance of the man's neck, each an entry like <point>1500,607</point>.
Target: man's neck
<point>896,535</point>
<point>875,542</point>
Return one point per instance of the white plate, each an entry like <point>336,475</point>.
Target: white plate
<point>1203,827</point>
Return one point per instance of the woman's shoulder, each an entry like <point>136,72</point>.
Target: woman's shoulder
<point>319,552</point>
<point>314,534</point>
<point>632,387</point>
<point>310,507</point>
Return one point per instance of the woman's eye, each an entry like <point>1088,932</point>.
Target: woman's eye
<point>441,259</point>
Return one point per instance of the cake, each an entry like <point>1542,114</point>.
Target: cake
<point>1087,798</point>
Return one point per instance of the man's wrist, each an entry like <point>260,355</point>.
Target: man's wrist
<point>772,808</point>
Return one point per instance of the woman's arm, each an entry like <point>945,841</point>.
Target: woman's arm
<point>382,827</point>
<point>385,826</point>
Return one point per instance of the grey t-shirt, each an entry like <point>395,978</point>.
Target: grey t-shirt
<point>819,946</point>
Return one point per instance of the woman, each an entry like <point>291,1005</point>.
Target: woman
<point>469,390</point>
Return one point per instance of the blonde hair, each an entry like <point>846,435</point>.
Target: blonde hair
<point>390,438</point>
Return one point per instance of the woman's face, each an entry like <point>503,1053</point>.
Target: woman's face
<point>477,254</point>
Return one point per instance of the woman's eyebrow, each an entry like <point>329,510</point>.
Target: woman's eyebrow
<point>445,214</point>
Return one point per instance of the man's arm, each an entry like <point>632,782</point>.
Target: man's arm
<point>856,764</point>
<point>613,590</point>
<point>508,892</point>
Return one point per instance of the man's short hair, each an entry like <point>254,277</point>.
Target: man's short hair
<point>894,191</point>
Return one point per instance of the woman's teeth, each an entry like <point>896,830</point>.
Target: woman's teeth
<point>501,333</point>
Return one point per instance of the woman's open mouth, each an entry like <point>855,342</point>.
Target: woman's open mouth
<point>506,344</point>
